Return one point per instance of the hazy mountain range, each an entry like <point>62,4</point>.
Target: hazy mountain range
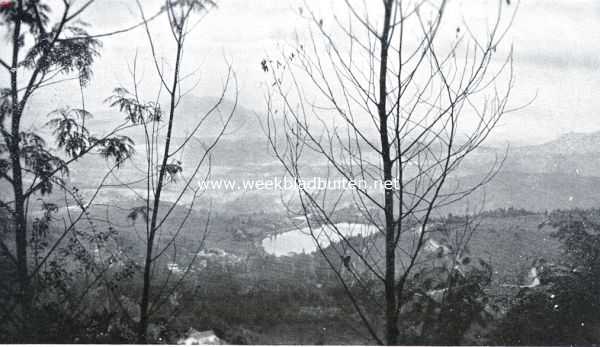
<point>563,173</point>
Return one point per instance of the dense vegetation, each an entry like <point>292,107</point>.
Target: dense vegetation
<point>253,297</point>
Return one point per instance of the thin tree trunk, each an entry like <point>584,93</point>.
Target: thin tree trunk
<point>20,219</point>
<point>20,222</point>
<point>391,315</point>
<point>144,317</point>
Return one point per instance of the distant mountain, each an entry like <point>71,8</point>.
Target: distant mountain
<point>530,191</point>
<point>575,154</point>
<point>244,123</point>
<point>570,143</point>
<point>190,111</point>
<point>562,173</point>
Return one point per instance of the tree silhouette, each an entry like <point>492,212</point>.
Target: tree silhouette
<point>44,52</point>
<point>385,97</point>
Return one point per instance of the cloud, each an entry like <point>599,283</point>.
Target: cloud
<point>556,44</point>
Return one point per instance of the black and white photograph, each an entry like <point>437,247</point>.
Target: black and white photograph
<point>300,172</point>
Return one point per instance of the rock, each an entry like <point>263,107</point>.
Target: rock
<point>195,337</point>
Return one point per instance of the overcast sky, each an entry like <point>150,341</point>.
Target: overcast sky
<point>556,42</point>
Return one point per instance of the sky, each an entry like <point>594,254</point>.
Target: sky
<point>556,45</point>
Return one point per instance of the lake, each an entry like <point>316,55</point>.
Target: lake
<point>300,240</point>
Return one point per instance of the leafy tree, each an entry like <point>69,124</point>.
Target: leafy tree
<point>43,52</point>
<point>565,307</point>
<point>446,300</point>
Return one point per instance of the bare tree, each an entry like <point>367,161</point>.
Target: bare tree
<point>392,99</point>
<point>162,167</point>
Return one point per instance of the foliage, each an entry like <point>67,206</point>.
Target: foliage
<point>65,48</point>
<point>446,297</point>
<point>39,161</point>
<point>135,111</point>
<point>565,307</point>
